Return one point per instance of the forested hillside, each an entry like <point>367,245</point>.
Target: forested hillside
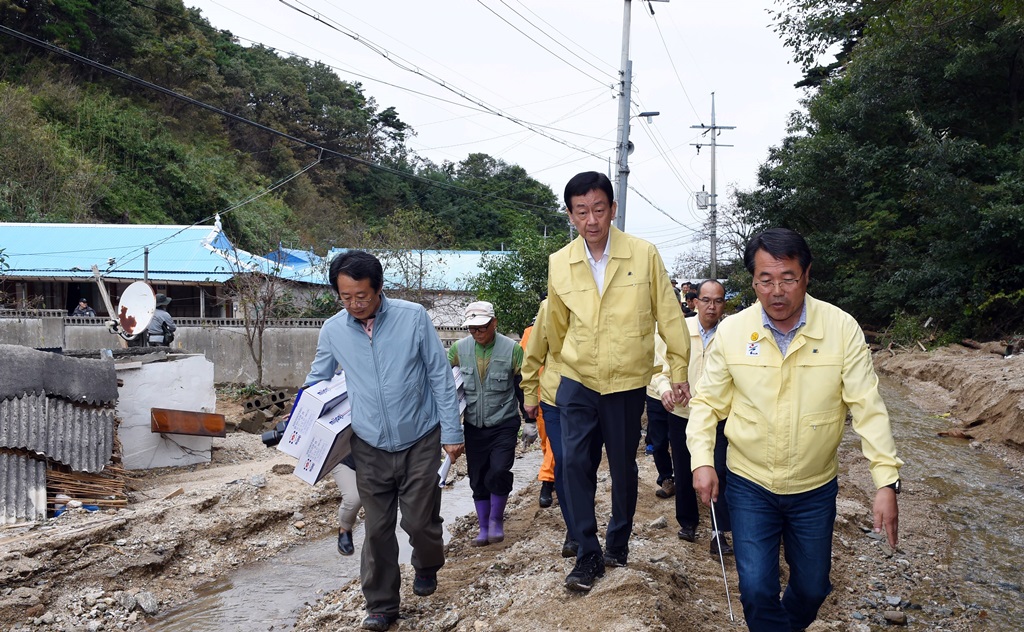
<point>79,144</point>
<point>906,172</point>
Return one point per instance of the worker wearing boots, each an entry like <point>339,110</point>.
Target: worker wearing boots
<point>490,364</point>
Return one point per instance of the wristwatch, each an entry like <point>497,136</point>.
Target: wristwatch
<point>896,487</point>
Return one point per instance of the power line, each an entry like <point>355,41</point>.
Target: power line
<point>502,18</point>
<point>673,64</point>
<point>403,64</point>
<point>562,36</point>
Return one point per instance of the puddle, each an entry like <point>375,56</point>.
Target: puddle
<point>981,504</point>
<point>270,595</point>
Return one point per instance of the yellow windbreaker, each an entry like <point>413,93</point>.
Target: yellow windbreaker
<point>538,359</point>
<point>787,415</point>
<point>661,382</point>
<point>606,339</point>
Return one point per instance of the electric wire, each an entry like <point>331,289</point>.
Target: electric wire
<point>562,36</point>
<point>610,78</point>
<point>403,64</point>
<point>672,62</point>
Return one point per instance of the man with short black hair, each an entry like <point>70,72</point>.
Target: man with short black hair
<point>606,292</point>
<point>785,372</point>
<point>404,411</point>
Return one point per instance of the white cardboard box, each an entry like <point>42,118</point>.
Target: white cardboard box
<point>323,443</point>
<point>328,442</point>
<point>311,404</point>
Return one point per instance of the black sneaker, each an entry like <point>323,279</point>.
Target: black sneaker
<point>425,583</point>
<point>587,569</point>
<point>615,557</point>
<point>720,540</point>
<point>545,500</point>
<point>570,547</point>
<point>378,621</point>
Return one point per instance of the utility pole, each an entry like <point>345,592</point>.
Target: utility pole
<point>714,196</point>
<point>624,147</point>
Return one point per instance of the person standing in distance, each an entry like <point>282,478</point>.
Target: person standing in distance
<point>606,292</point>
<point>161,328</point>
<point>785,371</point>
<point>404,412</point>
<point>710,308</point>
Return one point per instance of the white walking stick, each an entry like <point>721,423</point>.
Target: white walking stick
<point>721,558</point>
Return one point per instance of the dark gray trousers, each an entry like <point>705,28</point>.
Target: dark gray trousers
<point>387,482</point>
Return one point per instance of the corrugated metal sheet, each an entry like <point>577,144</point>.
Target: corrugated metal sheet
<point>81,437</point>
<point>22,488</point>
<point>83,380</point>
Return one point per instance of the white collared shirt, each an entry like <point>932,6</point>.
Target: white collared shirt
<point>597,267</point>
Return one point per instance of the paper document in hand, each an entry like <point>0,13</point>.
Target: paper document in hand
<point>442,472</point>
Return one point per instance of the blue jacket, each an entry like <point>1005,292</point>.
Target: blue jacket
<point>400,382</point>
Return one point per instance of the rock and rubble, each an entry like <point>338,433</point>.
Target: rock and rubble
<point>112,569</point>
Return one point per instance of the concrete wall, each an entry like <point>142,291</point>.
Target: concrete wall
<point>39,330</point>
<point>288,346</point>
<point>183,383</point>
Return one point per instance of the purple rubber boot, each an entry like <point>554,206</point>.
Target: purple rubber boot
<point>496,526</point>
<point>483,516</point>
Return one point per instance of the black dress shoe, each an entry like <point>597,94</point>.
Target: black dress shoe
<point>688,533</point>
<point>345,546</point>
<point>545,500</point>
<point>717,540</point>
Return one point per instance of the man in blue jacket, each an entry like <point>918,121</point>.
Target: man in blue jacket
<point>404,411</point>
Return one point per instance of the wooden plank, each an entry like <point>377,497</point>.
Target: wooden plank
<point>187,422</point>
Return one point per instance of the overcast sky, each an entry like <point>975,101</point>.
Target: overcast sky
<point>553,65</point>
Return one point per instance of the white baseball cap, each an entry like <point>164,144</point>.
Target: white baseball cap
<point>478,313</point>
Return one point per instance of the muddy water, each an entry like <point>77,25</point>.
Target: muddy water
<point>271,594</point>
<point>981,504</point>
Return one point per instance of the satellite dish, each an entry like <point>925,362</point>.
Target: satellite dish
<point>135,310</point>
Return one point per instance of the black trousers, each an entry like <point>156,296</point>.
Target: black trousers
<point>490,453</point>
<point>687,509</point>
<point>589,421</point>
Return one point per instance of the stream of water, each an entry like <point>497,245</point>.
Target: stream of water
<point>981,504</point>
<point>270,595</point>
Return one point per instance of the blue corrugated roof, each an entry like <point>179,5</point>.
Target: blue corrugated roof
<point>199,254</point>
<point>176,253</point>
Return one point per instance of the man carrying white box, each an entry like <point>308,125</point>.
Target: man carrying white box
<point>404,408</point>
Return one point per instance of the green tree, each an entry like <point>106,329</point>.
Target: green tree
<point>905,171</point>
<point>514,281</point>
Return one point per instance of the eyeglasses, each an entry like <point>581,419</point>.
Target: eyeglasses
<point>785,284</point>
<point>347,302</point>
<point>708,301</point>
<point>479,329</point>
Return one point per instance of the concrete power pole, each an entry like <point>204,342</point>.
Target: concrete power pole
<point>713,129</point>
<point>623,146</point>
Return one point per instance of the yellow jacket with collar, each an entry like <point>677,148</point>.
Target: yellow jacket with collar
<point>606,339</point>
<point>540,365</point>
<point>787,415</point>
<point>661,382</point>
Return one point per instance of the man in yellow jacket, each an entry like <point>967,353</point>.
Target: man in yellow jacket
<point>785,371</point>
<point>606,291</point>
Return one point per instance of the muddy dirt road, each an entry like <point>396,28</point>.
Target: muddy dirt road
<point>953,570</point>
